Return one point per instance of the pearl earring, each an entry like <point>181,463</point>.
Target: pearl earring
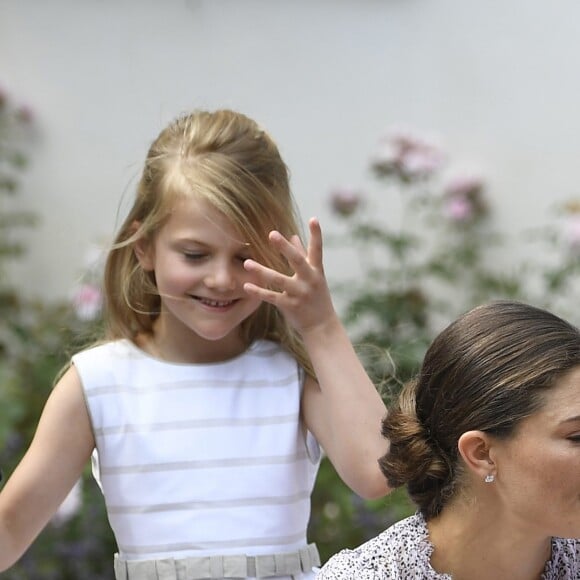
<point>489,478</point>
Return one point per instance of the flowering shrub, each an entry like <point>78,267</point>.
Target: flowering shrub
<point>427,267</point>
<point>77,543</point>
<point>36,340</point>
<point>15,135</point>
<point>407,156</point>
<point>87,298</point>
<point>553,276</point>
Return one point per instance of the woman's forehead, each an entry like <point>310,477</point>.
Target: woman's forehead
<point>561,402</point>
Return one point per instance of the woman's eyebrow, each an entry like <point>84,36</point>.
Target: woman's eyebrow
<point>571,419</point>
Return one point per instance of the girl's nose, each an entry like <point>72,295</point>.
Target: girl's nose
<point>221,277</point>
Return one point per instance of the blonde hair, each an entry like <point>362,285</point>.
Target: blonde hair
<point>227,160</point>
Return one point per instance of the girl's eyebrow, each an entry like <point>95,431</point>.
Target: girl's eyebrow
<point>192,241</point>
<point>187,240</point>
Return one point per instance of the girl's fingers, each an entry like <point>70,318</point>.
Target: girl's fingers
<point>300,259</point>
<point>262,293</point>
<point>297,243</point>
<point>315,244</point>
<point>267,276</point>
<point>291,249</point>
<point>271,284</point>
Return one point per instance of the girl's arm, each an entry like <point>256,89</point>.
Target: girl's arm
<point>342,408</point>
<point>62,445</point>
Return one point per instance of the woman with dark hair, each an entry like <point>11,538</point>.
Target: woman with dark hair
<point>487,441</point>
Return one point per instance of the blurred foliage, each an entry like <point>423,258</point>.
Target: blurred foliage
<point>341,519</point>
<point>36,340</point>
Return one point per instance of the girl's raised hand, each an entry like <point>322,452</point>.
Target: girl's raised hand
<point>304,297</point>
<point>342,393</point>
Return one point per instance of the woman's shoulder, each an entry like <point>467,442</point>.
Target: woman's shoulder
<point>402,551</point>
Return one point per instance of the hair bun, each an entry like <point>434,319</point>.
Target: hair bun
<point>413,458</point>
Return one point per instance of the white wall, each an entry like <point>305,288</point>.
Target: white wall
<point>496,79</point>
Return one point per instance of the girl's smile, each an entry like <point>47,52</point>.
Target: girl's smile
<point>217,304</point>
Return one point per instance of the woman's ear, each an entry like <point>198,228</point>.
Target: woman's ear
<point>143,249</point>
<point>475,447</point>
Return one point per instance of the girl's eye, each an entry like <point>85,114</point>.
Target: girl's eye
<point>574,438</point>
<point>193,255</point>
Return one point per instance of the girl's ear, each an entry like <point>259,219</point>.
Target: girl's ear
<point>143,250</point>
<point>475,449</point>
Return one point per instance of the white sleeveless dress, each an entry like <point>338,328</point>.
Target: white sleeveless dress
<point>201,461</point>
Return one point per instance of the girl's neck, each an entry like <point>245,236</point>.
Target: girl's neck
<point>476,543</point>
<point>189,349</point>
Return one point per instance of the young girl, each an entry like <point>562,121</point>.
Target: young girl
<point>223,368</point>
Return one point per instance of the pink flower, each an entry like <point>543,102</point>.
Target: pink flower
<point>421,162</point>
<point>463,184</point>
<point>458,208</point>
<point>345,201</point>
<point>407,155</point>
<point>25,113</point>
<point>87,302</point>
<point>405,139</point>
<point>463,195</point>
